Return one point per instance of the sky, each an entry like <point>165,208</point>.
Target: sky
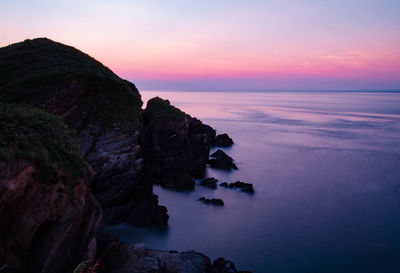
<point>224,44</point>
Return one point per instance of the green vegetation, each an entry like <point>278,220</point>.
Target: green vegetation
<point>162,109</point>
<point>31,134</point>
<point>33,71</point>
<point>37,66</point>
<point>120,108</point>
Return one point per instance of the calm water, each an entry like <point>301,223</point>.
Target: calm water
<point>326,171</point>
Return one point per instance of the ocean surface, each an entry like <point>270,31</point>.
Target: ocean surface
<point>326,171</point>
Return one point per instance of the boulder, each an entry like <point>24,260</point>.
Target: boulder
<point>209,183</point>
<point>216,202</point>
<point>223,140</point>
<point>242,186</point>
<point>221,265</point>
<point>220,160</point>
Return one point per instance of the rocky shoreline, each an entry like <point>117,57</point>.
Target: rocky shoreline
<point>52,199</point>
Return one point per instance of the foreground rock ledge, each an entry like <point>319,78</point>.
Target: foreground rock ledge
<point>119,257</point>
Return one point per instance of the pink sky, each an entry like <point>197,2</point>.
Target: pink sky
<point>270,44</point>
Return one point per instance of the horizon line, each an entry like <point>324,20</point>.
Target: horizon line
<point>269,90</point>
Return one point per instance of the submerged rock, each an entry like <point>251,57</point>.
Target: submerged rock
<point>242,186</point>
<point>216,202</point>
<point>221,265</point>
<point>220,160</point>
<point>246,187</point>
<point>223,140</point>
<point>209,183</point>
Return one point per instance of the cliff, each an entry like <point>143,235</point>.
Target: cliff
<point>48,216</point>
<point>105,112</point>
<point>89,145</point>
<point>177,146</point>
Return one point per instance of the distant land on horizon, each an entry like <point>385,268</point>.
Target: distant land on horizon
<point>272,90</point>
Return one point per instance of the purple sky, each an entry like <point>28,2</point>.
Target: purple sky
<point>226,44</point>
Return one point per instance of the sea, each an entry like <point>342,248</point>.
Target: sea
<point>325,166</point>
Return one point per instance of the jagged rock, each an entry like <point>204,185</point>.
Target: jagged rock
<point>103,109</point>
<point>223,140</point>
<point>209,183</point>
<point>216,202</point>
<point>224,184</point>
<point>176,145</point>
<point>48,216</point>
<point>220,160</point>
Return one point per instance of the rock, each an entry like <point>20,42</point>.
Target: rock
<point>103,109</point>
<point>216,202</point>
<point>118,257</point>
<point>209,183</point>
<point>48,216</point>
<point>221,265</point>
<point>220,160</point>
<point>176,145</point>
<point>242,186</point>
<point>223,141</point>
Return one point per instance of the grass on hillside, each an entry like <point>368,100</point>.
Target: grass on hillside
<point>33,135</point>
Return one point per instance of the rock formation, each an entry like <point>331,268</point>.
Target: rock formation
<point>212,201</point>
<point>209,183</point>
<point>220,160</point>
<point>242,186</point>
<point>105,112</point>
<point>90,136</point>
<point>176,145</point>
<point>48,216</point>
<point>119,257</point>
<point>223,140</point>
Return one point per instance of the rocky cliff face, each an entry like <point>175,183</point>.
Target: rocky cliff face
<point>48,216</point>
<point>177,146</point>
<point>103,109</point>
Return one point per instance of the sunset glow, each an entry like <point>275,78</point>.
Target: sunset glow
<point>225,44</point>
